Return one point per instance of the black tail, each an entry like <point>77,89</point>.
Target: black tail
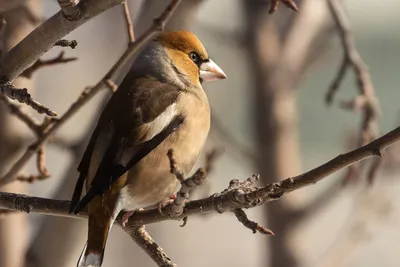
<point>77,192</point>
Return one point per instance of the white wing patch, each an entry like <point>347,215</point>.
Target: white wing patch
<point>159,123</point>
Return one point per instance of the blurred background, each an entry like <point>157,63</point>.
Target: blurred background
<point>269,117</point>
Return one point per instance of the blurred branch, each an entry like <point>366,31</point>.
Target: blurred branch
<point>144,240</point>
<point>288,3</point>
<point>87,94</point>
<point>30,121</point>
<point>24,54</point>
<point>46,62</point>
<point>239,195</point>
<point>226,137</point>
<point>66,43</point>
<point>366,100</point>
<point>128,21</point>
<point>41,167</point>
<point>319,202</point>
<point>368,211</point>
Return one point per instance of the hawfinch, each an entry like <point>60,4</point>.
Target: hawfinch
<point>160,105</point>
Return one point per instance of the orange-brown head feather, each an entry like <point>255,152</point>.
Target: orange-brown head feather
<point>180,45</point>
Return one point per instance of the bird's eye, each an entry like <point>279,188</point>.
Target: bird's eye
<point>194,57</point>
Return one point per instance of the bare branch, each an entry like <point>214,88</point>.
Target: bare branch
<point>22,95</point>
<point>176,208</point>
<point>41,166</point>
<point>30,121</point>
<point>46,62</point>
<point>128,21</point>
<point>24,54</point>
<point>237,197</point>
<point>157,27</point>
<point>66,43</point>
<point>366,100</point>
<point>174,166</point>
<point>255,227</point>
<point>144,240</point>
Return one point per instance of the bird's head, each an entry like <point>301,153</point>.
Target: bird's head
<point>179,57</point>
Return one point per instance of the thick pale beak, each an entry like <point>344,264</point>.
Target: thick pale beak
<point>209,71</point>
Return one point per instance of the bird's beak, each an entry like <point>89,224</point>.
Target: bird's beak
<point>209,71</point>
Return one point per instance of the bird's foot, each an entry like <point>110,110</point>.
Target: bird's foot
<point>166,202</point>
<point>126,216</point>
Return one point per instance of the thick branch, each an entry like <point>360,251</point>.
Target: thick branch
<point>88,93</point>
<point>237,196</point>
<point>45,36</point>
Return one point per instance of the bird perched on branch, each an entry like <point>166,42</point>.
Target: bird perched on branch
<point>160,105</point>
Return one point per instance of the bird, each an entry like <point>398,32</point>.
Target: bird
<point>159,105</point>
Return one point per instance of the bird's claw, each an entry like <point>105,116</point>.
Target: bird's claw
<point>126,216</point>
<point>165,203</point>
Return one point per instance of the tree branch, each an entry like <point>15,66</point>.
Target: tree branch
<point>144,240</point>
<point>128,21</point>
<point>366,100</point>
<point>255,227</point>
<point>157,27</point>
<point>46,62</point>
<point>22,95</point>
<point>239,195</point>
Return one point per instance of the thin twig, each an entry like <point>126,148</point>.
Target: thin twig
<point>176,208</point>
<point>228,200</point>
<point>40,63</point>
<point>157,27</point>
<point>144,240</point>
<point>366,100</point>
<point>128,21</point>
<point>30,121</point>
<point>22,95</point>
<point>288,3</point>
<point>41,167</point>
<point>173,165</point>
<point>252,225</point>
<point>66,43</point>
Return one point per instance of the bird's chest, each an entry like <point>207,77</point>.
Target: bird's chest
<point>192,135</point>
